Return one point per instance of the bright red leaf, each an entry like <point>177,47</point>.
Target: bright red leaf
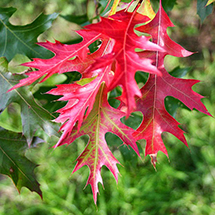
<point>68,58</point>
<point>102,119</point>
<point>156,119</point>
<point>120,27</point>
<point>79,99</point>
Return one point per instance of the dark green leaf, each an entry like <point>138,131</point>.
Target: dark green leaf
<point>13,162</point>
<point>50,102</point>
<point>141,77</point>
<point>72,77</point>
<point>113,95</point>
<point>22,39</point>
<point>202,10</point>
<point>32,114</point>
<point>168,4</point>
<point>180,72</point>
<point>76,19</point>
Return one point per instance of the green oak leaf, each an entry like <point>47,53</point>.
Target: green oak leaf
<point>168,4</point>
<point>32,114</point>
<point>23,39</point>
<point>76,19</point>
<point>203,10</point>
<point>13,162</point>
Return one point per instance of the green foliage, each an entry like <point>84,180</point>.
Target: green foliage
<point>32,114</point>
<point>202,10</point>
<point>168,4</point>
<point>13,162</point>
<point>22,39</point>
<point>76,19</point>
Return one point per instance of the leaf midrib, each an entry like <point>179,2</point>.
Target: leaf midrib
<point>35,112</point>
<point>18,38</point>
<point>14,163</point>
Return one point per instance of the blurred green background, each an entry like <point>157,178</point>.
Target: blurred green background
<point>182,184</point>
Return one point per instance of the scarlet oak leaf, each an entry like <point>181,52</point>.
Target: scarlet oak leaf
<point>121,48</point>
<point>102,119</point>
<point>120,27</point>
<point>79,99</point>
<point>156,119</point>
<point>157,28</point>
<point>68,58</point>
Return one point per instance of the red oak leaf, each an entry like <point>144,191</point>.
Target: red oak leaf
<point>102,119</point>
<point>120,27</point>
<point>156,119</point>
<point>79,99</point>
<point>75,57</point>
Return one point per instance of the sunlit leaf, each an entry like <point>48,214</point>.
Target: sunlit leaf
<point>210,2</point>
